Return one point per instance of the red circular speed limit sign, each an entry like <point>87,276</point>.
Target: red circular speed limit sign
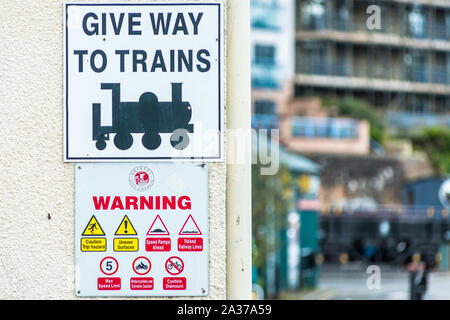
<point>109,266</point>
<point>174,265</point>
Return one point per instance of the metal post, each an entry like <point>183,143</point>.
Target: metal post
<point>238,194</point>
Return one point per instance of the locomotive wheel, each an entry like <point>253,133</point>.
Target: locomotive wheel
<point>123,141</point>
<point>100,144</point>
<point>151,141</point>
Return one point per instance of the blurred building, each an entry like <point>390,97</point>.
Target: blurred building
<point>304,126</point>
<point>272,50</point>
<point>400,65</point>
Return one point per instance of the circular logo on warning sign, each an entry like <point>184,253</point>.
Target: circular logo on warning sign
<point>174,265</point>
<point>141,178</point>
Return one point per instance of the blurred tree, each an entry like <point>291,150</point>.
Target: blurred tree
<point>271,200</point>
<point>435,142</point>
<point>359,109</point>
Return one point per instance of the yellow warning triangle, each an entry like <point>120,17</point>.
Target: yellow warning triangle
<point>125,228</point>
<point>93,228</point>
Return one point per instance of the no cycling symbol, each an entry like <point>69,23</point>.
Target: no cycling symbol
<point>174,265</point>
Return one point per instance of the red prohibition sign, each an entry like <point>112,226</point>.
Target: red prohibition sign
<point>142,268</point>
<point>174,265</point>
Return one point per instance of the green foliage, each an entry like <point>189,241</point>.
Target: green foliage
<point>435,142</point>
<point>360,109</point>
<point>271,196</point>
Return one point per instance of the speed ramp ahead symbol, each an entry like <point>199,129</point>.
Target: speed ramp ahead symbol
<point>174,265</point>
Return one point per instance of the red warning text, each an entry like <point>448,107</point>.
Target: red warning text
<point>174,283</point>
<point>190,244</point>
<point>141,203</point>
<point>141,283</point>
<point>108,284</point>
<point>157,244</point>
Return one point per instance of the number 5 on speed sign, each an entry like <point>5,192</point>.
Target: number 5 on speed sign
<point>109,266</point>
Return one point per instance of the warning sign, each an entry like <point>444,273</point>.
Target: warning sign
<point>190,227</point>
<point>125,228</point>
<point>190,244</point>
<point>142,265</point>
<point>109,266</point>
<point>158,228</point>
<point>157,244</point>
<point>93,244</point>
<point>126,244</point>
<point>93,228</point>
<point>137,241</point>
<point>174,265</point>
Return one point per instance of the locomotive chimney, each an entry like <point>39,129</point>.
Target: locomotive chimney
<point>176,92</point>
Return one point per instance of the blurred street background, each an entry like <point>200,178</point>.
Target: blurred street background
<point>359,92</point>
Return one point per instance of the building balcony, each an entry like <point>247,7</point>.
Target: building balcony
<point>333,128</point>
<point>325,135</point>
<point>339,68</point>
<point>377,84</point>
<point>415,122</point>
<point>364,37</point>
<point>342,69</point>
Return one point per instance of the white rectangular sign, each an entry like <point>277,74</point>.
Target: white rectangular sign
<point>141,229</point>
<point>143,81</point>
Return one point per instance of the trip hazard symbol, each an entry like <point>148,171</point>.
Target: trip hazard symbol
<point>190,227</point>
<point>174,265</point>
<point>125,228</point>
<point>93,228</point>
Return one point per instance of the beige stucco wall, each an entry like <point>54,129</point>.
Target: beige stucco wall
<point>37,188</point>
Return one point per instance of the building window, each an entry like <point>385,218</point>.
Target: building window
<point>313,14</point>
<point>341,17</point>
<point>410,197</point>
<point>265,54</point>
<point>313,59</point>
<point>416,23</point>
<point>416,67</point>
<point>417,104</point>
<point>264,115</point>
<point>264,107</point>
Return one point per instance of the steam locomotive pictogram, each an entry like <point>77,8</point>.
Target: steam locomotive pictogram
<point>148,116</point>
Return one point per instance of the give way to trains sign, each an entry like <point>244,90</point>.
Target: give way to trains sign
<point>143,81</point>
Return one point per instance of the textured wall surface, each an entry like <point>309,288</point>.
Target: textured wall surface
<point>37,188</point>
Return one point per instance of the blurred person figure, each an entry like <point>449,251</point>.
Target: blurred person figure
<point>418,277</point>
